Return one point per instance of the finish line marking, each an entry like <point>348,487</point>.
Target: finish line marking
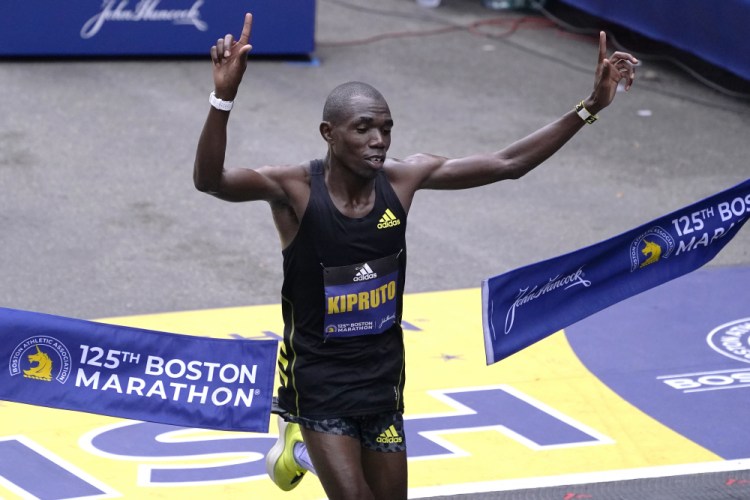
<point>583,478</point>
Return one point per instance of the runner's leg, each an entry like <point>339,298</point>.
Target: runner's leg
<point>386,473</point>
<point>302,457</point>
<point>338,465</point>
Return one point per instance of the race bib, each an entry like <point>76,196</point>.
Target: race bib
<point>361,299</point>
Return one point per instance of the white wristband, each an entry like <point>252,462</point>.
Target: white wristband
<point>219,104</point>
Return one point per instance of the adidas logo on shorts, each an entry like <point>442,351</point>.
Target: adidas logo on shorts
<point>389,436</point>
<point>388,220</point>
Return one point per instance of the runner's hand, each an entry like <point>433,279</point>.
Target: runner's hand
<point>610,71</point>
<point>229,59</point>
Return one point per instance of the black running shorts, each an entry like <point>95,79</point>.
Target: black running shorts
<point>382,432</point>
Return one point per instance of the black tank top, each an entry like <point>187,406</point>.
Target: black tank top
<point>343,351</point>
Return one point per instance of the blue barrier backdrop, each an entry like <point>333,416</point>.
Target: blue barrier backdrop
<point>528,304</point>
<point>137,374</point>
<point>713,31</point>
<point>151,27</point>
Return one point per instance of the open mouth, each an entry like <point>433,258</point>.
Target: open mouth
<point>376,160</point>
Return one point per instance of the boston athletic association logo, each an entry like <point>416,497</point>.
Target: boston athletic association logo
<point>732,339</point>
<point>650,247</point>
<point>41,358</point>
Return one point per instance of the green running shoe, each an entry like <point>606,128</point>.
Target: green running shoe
<point>280,463</point>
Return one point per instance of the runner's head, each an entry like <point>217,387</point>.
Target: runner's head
<point>357,127</point>
<point>338,103</point>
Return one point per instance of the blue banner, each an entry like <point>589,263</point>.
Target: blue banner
<point>152,27</point>
<point>528,304</point>
<point>136,374</point>
<point>713,31</point>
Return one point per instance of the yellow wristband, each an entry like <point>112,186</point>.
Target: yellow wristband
<point>584,113</point>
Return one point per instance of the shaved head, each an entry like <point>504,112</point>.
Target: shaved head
<point>337,104</point>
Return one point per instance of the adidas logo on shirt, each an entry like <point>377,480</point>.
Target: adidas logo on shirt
<point>389,436</point>
<point>365,273</point>
<point>388,220</point>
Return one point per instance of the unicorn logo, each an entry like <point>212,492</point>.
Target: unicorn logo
<point>43,368</point>
<point>41,358</point>
<point>652,251</point>
<point>650,247</point>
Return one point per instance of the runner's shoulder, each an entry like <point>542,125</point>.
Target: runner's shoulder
<point>395,167</point>
<point>412,160</point>
<point>299,171</point>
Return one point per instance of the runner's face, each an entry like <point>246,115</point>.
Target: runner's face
<point>361,141</point>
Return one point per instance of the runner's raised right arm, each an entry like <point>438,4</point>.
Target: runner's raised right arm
<point>229,60</point>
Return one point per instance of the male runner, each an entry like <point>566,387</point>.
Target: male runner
<point>341,221</point>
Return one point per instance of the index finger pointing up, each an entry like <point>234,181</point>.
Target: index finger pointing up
<point>246,29</point>
<point>602,46</point>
